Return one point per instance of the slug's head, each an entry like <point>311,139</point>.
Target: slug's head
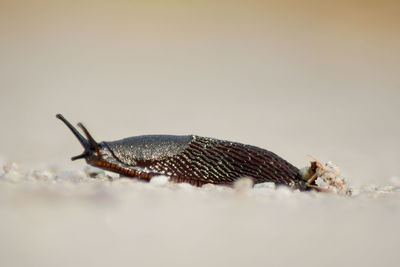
<point>95,154</point>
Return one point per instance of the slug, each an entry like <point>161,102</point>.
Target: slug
<point>191,159</point>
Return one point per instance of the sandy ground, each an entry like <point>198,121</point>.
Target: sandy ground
<point>71,219</point>
<point>293,77</point>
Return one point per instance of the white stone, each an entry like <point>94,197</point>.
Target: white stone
<point>159,180</point>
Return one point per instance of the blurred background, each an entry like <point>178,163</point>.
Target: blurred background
<point>294,77</point>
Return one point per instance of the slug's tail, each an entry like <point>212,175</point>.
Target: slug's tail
<point>88,144</point>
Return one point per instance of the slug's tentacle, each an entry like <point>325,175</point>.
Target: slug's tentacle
<point>84,155</point>
<point>92,143</point>
<point>89,145</point>
<point>80,138</point>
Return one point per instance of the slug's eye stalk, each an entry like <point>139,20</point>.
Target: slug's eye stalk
<point>92,143</point>
<point>89,144</point>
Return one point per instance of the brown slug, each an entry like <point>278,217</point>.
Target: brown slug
<point>192,159</point>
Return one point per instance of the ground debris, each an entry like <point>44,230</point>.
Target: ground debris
<point>325,177</point>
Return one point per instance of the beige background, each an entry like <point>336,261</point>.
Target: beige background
<point>295,77</point>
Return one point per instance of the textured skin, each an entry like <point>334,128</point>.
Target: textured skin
<point>196,160</point>
<point>148,147</point>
